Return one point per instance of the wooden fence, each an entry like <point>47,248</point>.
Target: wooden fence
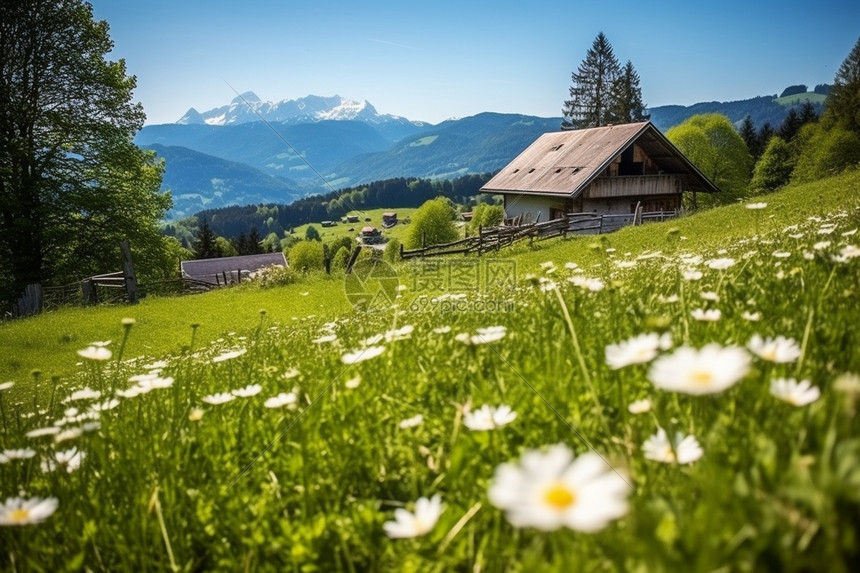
<point>494,238</point>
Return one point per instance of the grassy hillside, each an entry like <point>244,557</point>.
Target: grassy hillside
<point>677,396</point>
<point>329,234</point>
<point>799,99</point>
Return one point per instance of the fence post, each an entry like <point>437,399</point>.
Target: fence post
<point>352,259</point>
<point>401,251</point>
<point>89,293</point>
<point>327,263</point>
<point>128,274</point>
<point>480,238</point>
<point>30,302</point>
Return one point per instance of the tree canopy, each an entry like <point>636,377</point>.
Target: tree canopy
<point>712,144</point>
<point>72,183</point>
<point>601,92</point>
<point>432,223</point>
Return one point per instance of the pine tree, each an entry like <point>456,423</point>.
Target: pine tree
<point>843,103</point>
<point>254,240</point>
<point>591,88</point>
<point>750,137</point>
<point>204,245</point>
<point>627,106</point>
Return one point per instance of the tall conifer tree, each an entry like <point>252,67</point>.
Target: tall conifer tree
<point>627,105</point>
<point>591,88</point>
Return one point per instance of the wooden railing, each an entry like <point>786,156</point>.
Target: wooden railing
<point>494,238</point>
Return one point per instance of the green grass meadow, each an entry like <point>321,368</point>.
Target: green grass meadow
<point>290,440</point>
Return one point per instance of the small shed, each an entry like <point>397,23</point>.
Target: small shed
<point>370,235</point>
<point>606,170</point>
<point>389,219</point>
<point>352,218</point>
<point>227,270</point>
<point>328,223</point>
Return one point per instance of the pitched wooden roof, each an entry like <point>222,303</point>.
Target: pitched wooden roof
<point>565,162</point>
<point>206,269</point>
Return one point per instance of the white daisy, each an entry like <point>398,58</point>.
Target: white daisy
<point>86,394</point>
<point>412,422</point>
<point>779,349</point>
<point>794,392</point>
<point>230,355</point>
<point>489,418</point>
<point>324,339</point>
<point>709,315</point>
<point>691,274</point>
<point>751,316</point>
<point>6,386</point>
<point>281,400</point>
<point>681,450</point>
<point>362,355</point>
<point>19,454</point>
<point>636,350</point>
<point>20,511</point>
<point>99,353</point>
<point>218,398</point>
<point>756,205</point>
<point>353,383</point>
<point>39,432</point>
<point>549,490</point>
<point>720,264</point>
<point>639,406</point>
<point>413,524</point>
<point>247,391</point>
<point>707,371</point>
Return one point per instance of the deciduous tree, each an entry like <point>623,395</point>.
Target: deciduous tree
<point>433,222</point>
<point>713,145</point>
<point>72,183</point>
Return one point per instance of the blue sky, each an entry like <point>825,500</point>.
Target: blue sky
<point>439,59</point>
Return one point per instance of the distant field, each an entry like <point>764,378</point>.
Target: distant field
<point>801,98</point>
<point>330,234</point>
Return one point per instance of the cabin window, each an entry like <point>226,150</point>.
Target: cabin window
<point>532,170</point>
<point>557,147</point>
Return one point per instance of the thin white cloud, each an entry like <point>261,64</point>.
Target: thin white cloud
<point>395,44</point>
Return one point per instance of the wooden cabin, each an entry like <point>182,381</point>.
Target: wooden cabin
<point>389,219</point>
<point>606,170</point>
<point>370,235</point>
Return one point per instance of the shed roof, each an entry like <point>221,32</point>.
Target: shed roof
<point>565,162</point>
<point>206,269</point>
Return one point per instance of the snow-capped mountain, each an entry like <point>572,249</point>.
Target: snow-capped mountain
<point>248,108</point>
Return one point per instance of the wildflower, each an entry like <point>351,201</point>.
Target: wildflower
<point>324,339</point>
<point>751,316</point>
<point>484,335</point>
<point>281,400</point>
<point>230,355</point>
<point>593,285</point>
<point>68,434</point>
<point>549,490</point>
<point>353,383</point>
<point>39,432</point>
<point>681,450</point>
<point>442,330</point>
<point>6,386</point>
<point>247,391</point>
<point>691,275</point>
<point>709,295</point>
<point>710,315</point>
<point>489,418</point>
<point>720,264</point>
<point>639,406</point>
<point>70,459</point>
<point>414,524</point>
<point>95,353</point>
<point>707,371</point>
<point>154,383</point>
<point>109,404</point>
<point>20,454</point>
<point>794,392</point>
<point>781,254</point>
<point>20,511</point>
<point>779,349</point>
<point>412,422</point>
<point>571,266</point>
<point>362,355</point>
<point>756,205</point>
<point>399,333</point>
<point>128,321</point>
<point>86,394</point>
<point>636,350</point>
<point>218,398</point>
<point>291,373</point>
<point>195,415</point>
<point>850,252</point>
<point>821,245</point>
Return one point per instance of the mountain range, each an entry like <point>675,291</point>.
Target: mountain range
<point>251,151</point>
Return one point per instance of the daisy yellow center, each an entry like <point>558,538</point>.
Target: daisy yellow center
<point>702,377</point>
<point>19,514</point>
<point>559,497</point>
